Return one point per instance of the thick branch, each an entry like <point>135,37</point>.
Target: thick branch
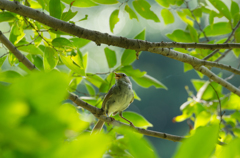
<point>99,37</point>
<point>197,64</point>
<point>100,115</point>
<point>16,52</point>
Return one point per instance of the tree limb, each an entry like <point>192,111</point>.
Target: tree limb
<point>16,52</point>
<point>197,65</point>
<point>100,115</point>
<point>102,38</point>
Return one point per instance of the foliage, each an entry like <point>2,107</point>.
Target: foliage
<point>36,119</point>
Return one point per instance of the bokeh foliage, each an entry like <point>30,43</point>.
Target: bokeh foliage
<point>36,119</point>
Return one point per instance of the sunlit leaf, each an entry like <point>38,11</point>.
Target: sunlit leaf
<point>81,4</point>
<point>106,1</point>
<point>95,79</point>
<point>111,57</point>
<point>216,29</point>
<point>79,42</point>
<point>32,49</point>
<point>50,59</point>
<point>113,20</point>
<point>6,16</point>
<point>163,3</point>
<point>167,16</point>
<point>221,7</point>
<point>61,42</point>
<point>180,36</point>
<point>188,150</point>
<point>66,16</point>
<point>136,96</point>
<point>131,13</point>
<point>129,56</point>
<point>146,81</point>
<point>143,8</point>
<point>72,65</point>
<point>136,119</point>
<point>129,71</point>
<point>55,8</point>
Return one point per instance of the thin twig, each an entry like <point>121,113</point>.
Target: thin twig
<point>220,106</point>
<point>228,39</point>
<point>200,27</point>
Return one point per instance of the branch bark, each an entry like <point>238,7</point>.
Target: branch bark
<point>102,38</point>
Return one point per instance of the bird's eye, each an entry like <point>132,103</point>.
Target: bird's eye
<point>124,75</point>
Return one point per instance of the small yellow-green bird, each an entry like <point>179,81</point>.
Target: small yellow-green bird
<point>119,97</point>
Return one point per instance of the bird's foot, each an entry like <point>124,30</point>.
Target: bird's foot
<point>112,119</point>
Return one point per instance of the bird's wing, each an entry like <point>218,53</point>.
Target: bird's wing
<point>132,99</point>
<point>107,96</point>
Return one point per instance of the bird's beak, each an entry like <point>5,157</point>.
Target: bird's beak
<point>117,76</point>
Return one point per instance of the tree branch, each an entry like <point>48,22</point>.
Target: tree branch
<point>100,115</point>
<point>227,40</point>
<point>197,65</point>
<point>102,38</point>
<point>16,52</point>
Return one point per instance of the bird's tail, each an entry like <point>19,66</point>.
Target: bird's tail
<point>98,126</point>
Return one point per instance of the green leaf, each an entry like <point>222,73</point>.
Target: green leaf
<point>95,79</point>
<point>66,16</point>
<point>61,42</point>
<point>50,59</point>
<point>16,34</point>
<point>198,12</point>
<point>221,7</point>
<point>231,149</point>
<point>129,71</point>
<point>143,8</point>
<point>55,8</point>
<point>6,16</point>
<point>72,65</point>
<point>167,15</point>
<point>137,146</point>
<point>113,20</point>
<point>32,49</point>
<point>131,13</point>
<point>135,118</point>
<point>234,8</point>
<point>202,119</point>
<point>90,89</point>
<point>78,59</point>
<point>233,102</point>
<point>216,29</point>
<point>163,3</point>
<point>38,62</point>
<point>9,76</point>
<point>2,59</point>
<point>180,36</point>
<point>184,15</point>
<point>106,1</point>
<point>109,82</point>
<point>79,42</point>
<point>12,59</point>
<point>136,96</point>
<point>129,56</point>
<point>187,67</point>
<point>193,33</point>
<point>209,134</point>
<point>85,60</point>
<point>74,83</point>
<point>111,57</point>
<point>147,81</point>
<point>81,4</point>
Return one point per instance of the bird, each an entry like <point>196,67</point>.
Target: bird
<point>118,98</point>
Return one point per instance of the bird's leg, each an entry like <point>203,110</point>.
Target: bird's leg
<point>131,124</point>
<point>112,119</point>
